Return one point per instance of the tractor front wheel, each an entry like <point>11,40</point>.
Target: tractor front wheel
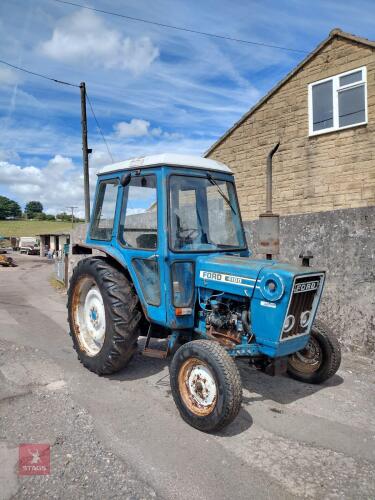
<point>319,360</point>
<point>206,385</point>
<point>104,315</point>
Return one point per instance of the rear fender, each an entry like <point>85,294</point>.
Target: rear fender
<point>116,258</point>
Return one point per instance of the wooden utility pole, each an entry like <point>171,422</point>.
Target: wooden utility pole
<point>72,209</point>
<point>85,152</point>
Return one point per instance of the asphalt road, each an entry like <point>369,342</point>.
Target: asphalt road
<point>121,436</point>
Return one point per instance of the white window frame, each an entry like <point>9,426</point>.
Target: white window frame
<point>336,88</point>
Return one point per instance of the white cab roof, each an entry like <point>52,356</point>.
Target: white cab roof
<point>168,159</point>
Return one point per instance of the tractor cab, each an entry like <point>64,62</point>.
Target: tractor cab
<point>156,215</point>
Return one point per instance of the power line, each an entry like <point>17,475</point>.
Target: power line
<point>180,28</point>
<point>99,128</point>
<point>63,83</point>
<point>38,74</point>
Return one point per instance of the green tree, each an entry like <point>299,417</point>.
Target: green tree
<point>32,208</point>
<point>9,208</point>
<point>63,216</point>
<point>50,217</point>
<point>40,216</point>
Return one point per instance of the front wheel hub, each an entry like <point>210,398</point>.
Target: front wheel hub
<point>309,359</point>
<point>198,387</point>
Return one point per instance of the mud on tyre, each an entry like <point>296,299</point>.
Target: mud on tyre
<point>104,315</point>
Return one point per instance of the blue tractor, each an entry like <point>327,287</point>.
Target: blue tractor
<point>174,264</point>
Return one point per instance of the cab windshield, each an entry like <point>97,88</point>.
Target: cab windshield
<point>204,215</point>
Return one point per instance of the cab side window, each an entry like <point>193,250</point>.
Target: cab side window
<point>104,214</point>
<point>138,227</point>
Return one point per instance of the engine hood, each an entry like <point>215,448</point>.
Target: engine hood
<point>239,275</point>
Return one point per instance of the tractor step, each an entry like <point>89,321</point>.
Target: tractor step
<point>154,353</point>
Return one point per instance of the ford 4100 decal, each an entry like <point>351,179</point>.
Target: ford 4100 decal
<point>227,278</point>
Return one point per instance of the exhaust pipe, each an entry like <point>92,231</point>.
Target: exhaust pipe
<point>269,227</point>
<point>269,179</point>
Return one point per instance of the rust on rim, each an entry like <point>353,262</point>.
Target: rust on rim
<point>309,359</point>
<point>197,386</point>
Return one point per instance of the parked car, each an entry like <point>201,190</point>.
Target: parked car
<point>30,250</point>
<point>29,245</point>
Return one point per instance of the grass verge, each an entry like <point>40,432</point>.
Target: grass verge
<point>19,228</point>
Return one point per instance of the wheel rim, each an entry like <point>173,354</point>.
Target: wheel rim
<point>197,386</point>
<point>89,317</point>
<point>309,359</point>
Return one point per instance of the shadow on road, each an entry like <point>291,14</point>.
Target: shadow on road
<point>282,390</point>
<point>141,366</point>
<point>242,422</point>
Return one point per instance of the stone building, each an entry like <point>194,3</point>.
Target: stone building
<point>323,115</point>
<point>53,241</point>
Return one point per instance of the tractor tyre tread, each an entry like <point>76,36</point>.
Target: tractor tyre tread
<point>123,315</point>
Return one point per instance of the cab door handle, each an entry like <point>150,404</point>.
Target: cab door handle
<point>153,257</point>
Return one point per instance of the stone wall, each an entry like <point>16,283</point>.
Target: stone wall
<point>311,174</point>
<point>343,243</point>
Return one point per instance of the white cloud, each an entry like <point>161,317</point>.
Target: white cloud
<point>142,128</point>
<point>57,185</point>
<point>85,37</point>
<point>99,158</point>
<point>10,174</point>
<point>134,128</point>
<point>156,132</point>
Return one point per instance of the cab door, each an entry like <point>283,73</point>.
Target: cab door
<point>140,239</point>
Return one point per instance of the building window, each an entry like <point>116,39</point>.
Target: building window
<point>338,102</point>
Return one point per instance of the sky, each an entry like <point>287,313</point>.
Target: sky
<point>153,89</point>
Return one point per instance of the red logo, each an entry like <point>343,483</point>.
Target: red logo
<point>34,459</point>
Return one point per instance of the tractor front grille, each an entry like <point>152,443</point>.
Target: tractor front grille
<point>305,295</point>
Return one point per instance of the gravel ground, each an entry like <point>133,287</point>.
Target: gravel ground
<point>34,401</point>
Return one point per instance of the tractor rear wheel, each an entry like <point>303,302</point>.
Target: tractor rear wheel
<point>206,385</point>
<point>319,360</point>
<point>104,316</point>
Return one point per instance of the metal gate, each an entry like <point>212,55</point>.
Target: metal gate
<point>60,269</point>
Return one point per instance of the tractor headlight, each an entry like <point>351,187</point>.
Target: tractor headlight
<point>289,323</point>
<point>272,287</point>
<point>305,319</point>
